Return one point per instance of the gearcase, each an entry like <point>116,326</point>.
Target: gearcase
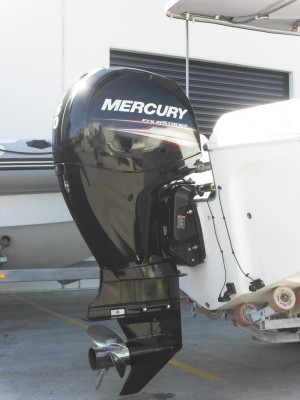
<point>124,141</point>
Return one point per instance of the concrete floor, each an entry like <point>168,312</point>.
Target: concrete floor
<point>43,355</point>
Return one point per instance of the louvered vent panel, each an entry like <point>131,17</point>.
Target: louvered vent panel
<point>214,88</point>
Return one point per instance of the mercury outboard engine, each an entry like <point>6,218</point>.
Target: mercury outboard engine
<point>124,139</point>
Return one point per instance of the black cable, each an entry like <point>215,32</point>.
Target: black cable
<point>220,248</point>
<point>228,234</point>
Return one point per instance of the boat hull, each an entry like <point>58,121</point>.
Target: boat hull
<point>33,214</point>
<point>251,222</point>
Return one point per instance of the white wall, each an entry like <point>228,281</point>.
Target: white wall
<point>34,71</point>
<point>30,46</point>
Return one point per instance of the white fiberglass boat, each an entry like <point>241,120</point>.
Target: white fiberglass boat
<point>250,222</point>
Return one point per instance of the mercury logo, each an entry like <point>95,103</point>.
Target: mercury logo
<point>140,107</point>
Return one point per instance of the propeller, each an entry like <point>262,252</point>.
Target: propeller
<point>145,354</point>
<point>111,352</point>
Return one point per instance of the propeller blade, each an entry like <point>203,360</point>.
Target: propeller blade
<point>111,351</point>
<point>119,364</point>
<point>101,335</point>
<point>99,378</point>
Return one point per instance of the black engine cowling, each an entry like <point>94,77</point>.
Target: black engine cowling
<point>121,134</point>
<point>120,137</point>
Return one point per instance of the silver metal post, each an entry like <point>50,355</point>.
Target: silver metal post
<point>187,61</point>
<point>62,46</point>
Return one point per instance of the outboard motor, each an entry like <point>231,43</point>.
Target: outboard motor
<point>124,140</point>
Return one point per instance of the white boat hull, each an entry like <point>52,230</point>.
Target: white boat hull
<point>33,213</point>
<point>42,232</point>
<point>255,162</point>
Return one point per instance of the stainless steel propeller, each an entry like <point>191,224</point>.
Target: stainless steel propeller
<point>111,351</point>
